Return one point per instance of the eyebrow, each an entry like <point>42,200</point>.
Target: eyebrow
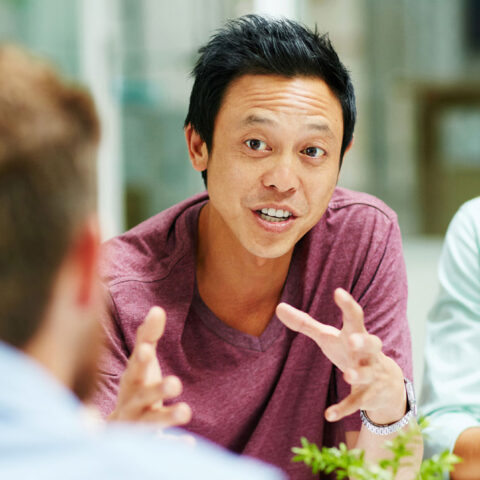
<point>322,128</point>
<point>254,119</point>
<point>319,127</point>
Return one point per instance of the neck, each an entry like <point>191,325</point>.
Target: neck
<point>226,270</point>
<point>46,352</point>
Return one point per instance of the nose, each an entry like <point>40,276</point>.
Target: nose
<point>281,176</point>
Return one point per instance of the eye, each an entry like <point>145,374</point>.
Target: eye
<point>314,152</point>
<point>257,145</point>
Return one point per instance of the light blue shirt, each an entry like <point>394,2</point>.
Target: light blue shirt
<point>451,385</point>
<point>43,435</point>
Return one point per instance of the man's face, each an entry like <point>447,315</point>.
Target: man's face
<point>275,160</point>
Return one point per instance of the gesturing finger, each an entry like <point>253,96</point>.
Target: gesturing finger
<point>152,328</point>
<point>173,416</point>
<point>351,310</point>
<point>143,365</point>
<point>366,348</point>
<point>152,395</point>
<point>346,407</point>
<point>359,376</point>
<point>365,344</point>
<point>299,321</point>
<point>139,363</point>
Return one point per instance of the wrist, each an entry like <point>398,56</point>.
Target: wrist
<point>386,429</point>
<point>392,414</point>
<point>395,404</point>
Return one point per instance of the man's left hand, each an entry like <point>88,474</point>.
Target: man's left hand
<point>376,380</point>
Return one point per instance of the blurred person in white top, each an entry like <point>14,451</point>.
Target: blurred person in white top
<point>451,385</point>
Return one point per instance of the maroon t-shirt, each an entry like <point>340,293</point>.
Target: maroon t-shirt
<point>257,395</point>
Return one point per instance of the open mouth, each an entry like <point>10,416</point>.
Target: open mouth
<point>273,215</point>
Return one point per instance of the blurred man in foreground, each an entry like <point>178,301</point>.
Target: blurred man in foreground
<point>451,384</point>
<point>49,299</point>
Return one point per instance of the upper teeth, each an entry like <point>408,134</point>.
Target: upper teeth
<point>272,212</point>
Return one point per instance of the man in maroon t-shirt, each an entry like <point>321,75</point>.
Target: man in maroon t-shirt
<point>274,256</point>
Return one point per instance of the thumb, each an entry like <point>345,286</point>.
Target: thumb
<point>346,407</point>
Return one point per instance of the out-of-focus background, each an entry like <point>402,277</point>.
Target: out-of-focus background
<point>415,66</point>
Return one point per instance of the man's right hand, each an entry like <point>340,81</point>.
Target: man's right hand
<point>142,387</point>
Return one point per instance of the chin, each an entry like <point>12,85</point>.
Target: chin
<point>269,252</point>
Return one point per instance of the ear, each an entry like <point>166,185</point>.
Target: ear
<point>197,149</point>
<point>84,255</point>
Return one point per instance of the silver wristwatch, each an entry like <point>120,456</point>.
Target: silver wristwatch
<point>394,427</point>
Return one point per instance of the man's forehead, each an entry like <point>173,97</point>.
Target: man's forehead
<point>308,95</point>
<point>318,125</point>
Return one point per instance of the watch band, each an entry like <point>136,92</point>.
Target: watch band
<point>394,427</point>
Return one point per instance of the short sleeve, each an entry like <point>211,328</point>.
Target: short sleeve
<point>113,358</point>
<point>381,290</point>
<point>451,385</point>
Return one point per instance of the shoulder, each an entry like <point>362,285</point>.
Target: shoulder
<point>356,236</point>
<point>463,233</point>
<point>467,217</point>
<point>461,250</point>
<point>151,249</point>
<point>472,207</point>
<point>351,215</point>
<point>346,201</point>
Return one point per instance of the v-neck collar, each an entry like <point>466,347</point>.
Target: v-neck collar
<point>232,335</point>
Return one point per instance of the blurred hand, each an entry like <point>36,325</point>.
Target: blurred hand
<point>376,380</point>
<point>142,387</point>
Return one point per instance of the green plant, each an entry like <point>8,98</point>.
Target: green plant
<point>347,463</point>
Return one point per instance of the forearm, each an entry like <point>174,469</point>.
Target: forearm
<point>467,447</point>
<point>374,447</point>
<point>373,444</point>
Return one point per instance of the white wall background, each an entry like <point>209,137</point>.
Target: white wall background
<point>421,257</point>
